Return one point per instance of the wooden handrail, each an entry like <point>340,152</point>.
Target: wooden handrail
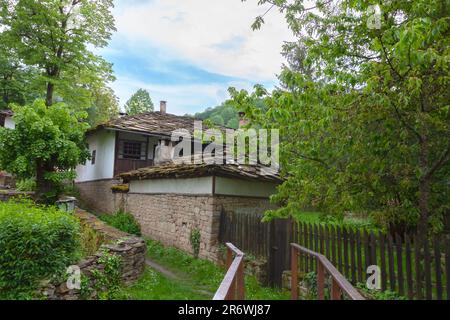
<point>233,284</point>
<point>339,283</point>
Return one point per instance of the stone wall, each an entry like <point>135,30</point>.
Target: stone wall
<point>170,218</point>
<point>97,195</point>
<point>6,195</point>
<point>131,249</point>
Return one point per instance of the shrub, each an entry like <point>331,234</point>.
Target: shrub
<point>123,221</point>
<point>26,185</point>
<point>36,243</point>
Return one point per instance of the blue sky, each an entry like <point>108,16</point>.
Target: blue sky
<point>189,52</point>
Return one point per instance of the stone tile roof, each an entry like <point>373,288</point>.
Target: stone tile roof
<point>155,123</point>
<point>247,172</point>
<point>6,112</point>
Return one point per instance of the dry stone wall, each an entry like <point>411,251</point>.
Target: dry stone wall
<point>131,249</point>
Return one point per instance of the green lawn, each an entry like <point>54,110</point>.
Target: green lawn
<point>199,279</point>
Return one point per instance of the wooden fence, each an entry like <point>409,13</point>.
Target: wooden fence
<point>409,268</point>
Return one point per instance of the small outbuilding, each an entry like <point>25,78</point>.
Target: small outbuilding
<point>171,201</point>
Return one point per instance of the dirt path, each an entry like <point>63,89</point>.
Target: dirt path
<point>172,276</point>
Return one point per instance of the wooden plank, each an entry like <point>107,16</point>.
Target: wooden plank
<point>320,280</point>
<point>311,246</point>
<point>294,274</point>
<point>418,267</point>
<point>359,256</point>
<point>339,248</point>
<point>333,244</point>
<point>353,255</point>
<point>322,239</point>
<point>447,267</point>
<point>373,249</point>
<point>366,246</point>
<point>306,242</point>
<point>427,264</point>
<point>438,269</point>
<point>398,247</point>
<point>382,238</point>
<point>346,258</point>
<point>327,242</point>
<point>408,265</point>
<point>391,263</point>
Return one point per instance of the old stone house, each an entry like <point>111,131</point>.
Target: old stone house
<point>170,201</point>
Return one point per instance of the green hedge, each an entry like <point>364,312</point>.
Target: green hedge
<point>36,243</point>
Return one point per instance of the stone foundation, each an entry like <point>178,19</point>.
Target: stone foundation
<point>170,218</point>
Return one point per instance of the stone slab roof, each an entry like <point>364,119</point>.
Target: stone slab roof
<point>247,172</point>
<point>6,112</point>
<point>153,123</point>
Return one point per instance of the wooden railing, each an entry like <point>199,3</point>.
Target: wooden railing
<point>339,285</point>
<point>233,284</point>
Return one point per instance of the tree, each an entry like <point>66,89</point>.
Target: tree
<point>367,128</point>
<point>139,102</point>
<point>48,143</point>
<point>54,35</point>
<point>15,78</point>
<point>105,106</point>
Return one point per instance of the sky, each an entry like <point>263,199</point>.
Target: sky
<point>189,52</point>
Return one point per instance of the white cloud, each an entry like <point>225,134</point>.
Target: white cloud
<point>214,35</point>
<point>182,98</point>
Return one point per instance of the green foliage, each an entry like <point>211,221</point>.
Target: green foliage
<point>107,282</point>
<point>363,113</point>
<point>36,243</point>
<point>47,143</point>
<point>378,294</point>
<point>53,36</point>
<point>90,240</point>
<point>205,274</point>
<point>194,239</point>
<point>123,221</point>
<point>26,185</point>
<point>139,102</point>
<point>105,106</point>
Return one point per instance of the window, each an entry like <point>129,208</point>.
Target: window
<point>94,154</point>
<point>132,150</point>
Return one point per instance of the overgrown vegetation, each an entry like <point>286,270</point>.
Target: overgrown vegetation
<point>36,243</point>
<point>123,221</point>
<point>363,111</point>
<point>195,238</point>
<point>205,274</point>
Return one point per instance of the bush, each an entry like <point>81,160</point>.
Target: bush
<point>36,243</point>
<point>123,221</point>
<point>26,185</point>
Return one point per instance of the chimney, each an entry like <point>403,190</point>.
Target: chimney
<point>163,107</point>
<point>242,121</point>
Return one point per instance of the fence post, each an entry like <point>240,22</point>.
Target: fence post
<point>335,291</point>
<point>294,273</point>
<point>320,280</point>
<point>241,282</point>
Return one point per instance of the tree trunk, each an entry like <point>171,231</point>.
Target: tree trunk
<point>50,90</point>
<point>43,186</point>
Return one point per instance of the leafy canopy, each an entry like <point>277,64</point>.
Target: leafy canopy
<point>50,138</point>
<point>54,36</point>
<point>363,111</point>
<point>139,102</point>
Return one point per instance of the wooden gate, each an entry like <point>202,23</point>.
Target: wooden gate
<point>268,240</point>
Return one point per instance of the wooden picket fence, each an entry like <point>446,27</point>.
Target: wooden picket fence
<point>410,268</point>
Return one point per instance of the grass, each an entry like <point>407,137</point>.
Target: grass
<point>154,286</point>
<point>199,279</point>
<point>307,216</point>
